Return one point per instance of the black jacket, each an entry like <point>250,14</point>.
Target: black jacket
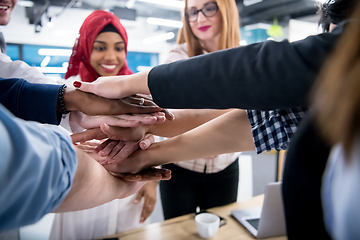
<point>262,76</point>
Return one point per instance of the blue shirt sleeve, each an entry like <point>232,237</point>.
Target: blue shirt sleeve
<point>37,168</point>
<point>341,192</point>
<point>30,101</point>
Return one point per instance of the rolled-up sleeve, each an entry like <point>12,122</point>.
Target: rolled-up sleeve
<point>37,168</point>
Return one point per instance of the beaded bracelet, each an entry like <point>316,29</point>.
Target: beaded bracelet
<point>61,99</point>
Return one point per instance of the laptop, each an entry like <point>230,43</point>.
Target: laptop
<point>268,220</point>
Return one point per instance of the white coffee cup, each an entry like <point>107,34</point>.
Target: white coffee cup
<point>207,224</point>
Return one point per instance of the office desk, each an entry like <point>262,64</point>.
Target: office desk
<point>184,227</point>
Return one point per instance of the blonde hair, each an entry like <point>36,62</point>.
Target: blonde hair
<point>230,35</point>
<point>336,95</point>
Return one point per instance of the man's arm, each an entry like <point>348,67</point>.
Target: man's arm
<point>30,101</point>
<point>40,171</point>
<point>40,102</point>
<point>38,165</point>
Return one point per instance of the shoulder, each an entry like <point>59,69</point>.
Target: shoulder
<point>177,53</point>
<point>181,48</point>
<point>4,58</point>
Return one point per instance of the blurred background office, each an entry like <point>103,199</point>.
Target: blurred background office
<point>42,33</point>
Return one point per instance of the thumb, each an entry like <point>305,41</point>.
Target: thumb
<point>85,87</point>
<point>139,195</point>
<point>146,142</point>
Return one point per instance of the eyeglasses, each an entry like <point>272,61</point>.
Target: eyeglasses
<point>209,9</point>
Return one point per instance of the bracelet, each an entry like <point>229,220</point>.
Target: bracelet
<point>61,99</point>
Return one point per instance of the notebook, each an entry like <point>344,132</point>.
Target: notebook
<point>268,220</point>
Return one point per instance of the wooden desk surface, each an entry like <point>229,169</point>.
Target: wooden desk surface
<point>184,228</point>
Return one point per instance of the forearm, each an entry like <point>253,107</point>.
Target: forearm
<point>30,101</point>
<point>137,83</point>
<point>228,133</point>
<point>184,121</point>
<point>259,76</point>
<point>92,186</point>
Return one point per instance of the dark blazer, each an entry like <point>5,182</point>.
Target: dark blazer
<point>30,101</point>
<point>262,76</point>
<point>304,166</point>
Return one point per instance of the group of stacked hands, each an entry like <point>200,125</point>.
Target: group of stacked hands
<point>118,125</point>
<point>44,155</point>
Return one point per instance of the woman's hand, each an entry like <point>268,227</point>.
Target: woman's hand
<point>116,87</point>
<point>138,160</point>
<point>150,174</point>
<point>112,132</point>
<point>146,175</point>
<point>125,120</point>
<point>148,192</point>
<point>112,151</point>
<point>91,104</point>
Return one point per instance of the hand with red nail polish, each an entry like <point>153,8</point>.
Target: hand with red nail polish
<point>116,87</point>
<point>77,84</point>
<point>92,105</point>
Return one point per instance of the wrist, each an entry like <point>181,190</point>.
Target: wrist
<point>72,98</point>
<point>61,107</point>
<point>156,155</point>
<point>138,84</point>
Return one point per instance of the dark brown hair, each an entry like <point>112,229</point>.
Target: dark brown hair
<point>336,95</point>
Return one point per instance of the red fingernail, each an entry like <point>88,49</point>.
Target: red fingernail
<point>77,84</point>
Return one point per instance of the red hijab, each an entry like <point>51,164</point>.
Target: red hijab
<point>79,62</point>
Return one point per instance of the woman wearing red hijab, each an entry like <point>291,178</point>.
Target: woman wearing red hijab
<point>101,50</point>
<point>98,24</point>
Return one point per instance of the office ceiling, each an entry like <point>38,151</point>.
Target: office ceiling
<point>267,10</point>
<point>259,11</point>
<point>250,11</point>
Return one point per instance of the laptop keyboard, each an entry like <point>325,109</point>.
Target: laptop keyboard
<point>254,222</point>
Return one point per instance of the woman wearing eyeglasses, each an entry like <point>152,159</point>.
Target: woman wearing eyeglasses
<point>209,182</point>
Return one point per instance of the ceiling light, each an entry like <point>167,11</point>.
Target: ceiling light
<point>68,33</point>
<point>257,26</point>
<point>45,61</point>
<point>25,3</point>
<point>52,69</point>
<point>165,22</point>
<point>159,38</point>
<point>130,3</point>
<point>169,3</point>
<point>251,2</point>
<point>54,52</point>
